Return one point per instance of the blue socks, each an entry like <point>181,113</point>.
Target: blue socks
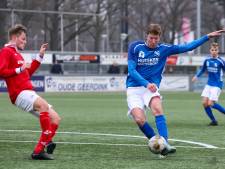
<point>219,108</point>
<point>147,130</point>
<point>215,106</point>
<point>209,113</point>
<point>161,126</point>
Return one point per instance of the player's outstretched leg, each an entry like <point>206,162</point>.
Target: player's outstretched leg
<point>211,116</point>
<point>161,125</point>
<point>163,131</point>
<point>218,107</point>
<point>39,153</point>
<point>55,119</point>
<point>147,130</point>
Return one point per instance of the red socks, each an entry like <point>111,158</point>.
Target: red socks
<point>46,134</point>
<point>54,127</point>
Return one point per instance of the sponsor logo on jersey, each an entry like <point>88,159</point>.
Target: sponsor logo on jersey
<point>148,61</point>
<point>212,69</point>
<point>141,54</point>
<point>157,53</point>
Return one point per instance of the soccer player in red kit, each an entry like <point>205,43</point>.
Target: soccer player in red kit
<point>16,73</point>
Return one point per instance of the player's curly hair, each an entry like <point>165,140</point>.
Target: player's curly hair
<point>154,29</point>
<point>17,30</point>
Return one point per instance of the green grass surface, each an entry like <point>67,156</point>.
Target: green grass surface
<point>105,113</point>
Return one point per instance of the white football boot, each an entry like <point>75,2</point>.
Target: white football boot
<point>168,149</point>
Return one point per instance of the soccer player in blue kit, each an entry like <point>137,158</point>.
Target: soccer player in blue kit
<point>146,62</point>
<point>214,66</point>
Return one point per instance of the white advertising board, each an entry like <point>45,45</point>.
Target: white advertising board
<point>87,83</point>
<point>108,59</point>
<point>175,83</point>
<point>106,83</point>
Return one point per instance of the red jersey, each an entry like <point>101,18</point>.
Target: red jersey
<point>10,59</point>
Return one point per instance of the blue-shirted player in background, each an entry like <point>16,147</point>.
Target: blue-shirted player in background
<point>146,62</point>
<point>214,66</point>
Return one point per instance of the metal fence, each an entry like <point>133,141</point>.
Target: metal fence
<point>37,32</point>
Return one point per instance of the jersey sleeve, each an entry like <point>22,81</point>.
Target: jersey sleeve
<point>5,71</point>
<point>202,70</point>
<point>34,65</point>
<point>176,49</point>
<point>223,65</point>
<point>132,64</point>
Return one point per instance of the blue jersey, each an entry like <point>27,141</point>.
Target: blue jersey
<point>146,65</point>
<point>214,67</point>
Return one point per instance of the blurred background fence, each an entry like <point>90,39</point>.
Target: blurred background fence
<point>91,37</point>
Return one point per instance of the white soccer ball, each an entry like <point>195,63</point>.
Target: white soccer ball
<point>156,144</point>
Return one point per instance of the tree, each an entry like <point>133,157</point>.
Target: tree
<point>106,17</point>
<point>138,18</point>
<point>173,12</point>
<point>219,3</point>
<point>3,35</point>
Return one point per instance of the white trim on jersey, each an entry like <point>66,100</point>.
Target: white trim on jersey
<point>137,46</point>
<point>167,45</point>
<point>220,60</point>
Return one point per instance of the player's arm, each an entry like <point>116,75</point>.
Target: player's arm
<point>132,64</point>
<point>134,74</point>
<point>223,65</point>
<point>194,79</point>
<point>200,72</point>
<point>194,44</point>
<point>36,62</point>
<point>176,49</point>
<point>5,71</point>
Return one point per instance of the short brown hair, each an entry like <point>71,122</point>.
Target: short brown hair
<point>17,30</point>
<point>214,45</point>
<point>154,29</point>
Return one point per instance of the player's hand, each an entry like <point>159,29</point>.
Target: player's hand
<point>194,79</point>
<point>43,49</point>
<point>28,65</point>
<point>216,33</point>
<point>152,87</point>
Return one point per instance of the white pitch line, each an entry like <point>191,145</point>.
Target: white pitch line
<point>218,148</point>
<point>194,142</point>
<point>74,143</point>
<point>78,133</point>
<point>115,135</point>
<point>102,144</point>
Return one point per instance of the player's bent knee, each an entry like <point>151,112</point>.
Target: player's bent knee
<point>42,108</point>
<point>140,121</point>
<point>58,119</point>
<point>157,113</point>
<point>205,104</point>
<point>210,103</point>
<point>55,118</point>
